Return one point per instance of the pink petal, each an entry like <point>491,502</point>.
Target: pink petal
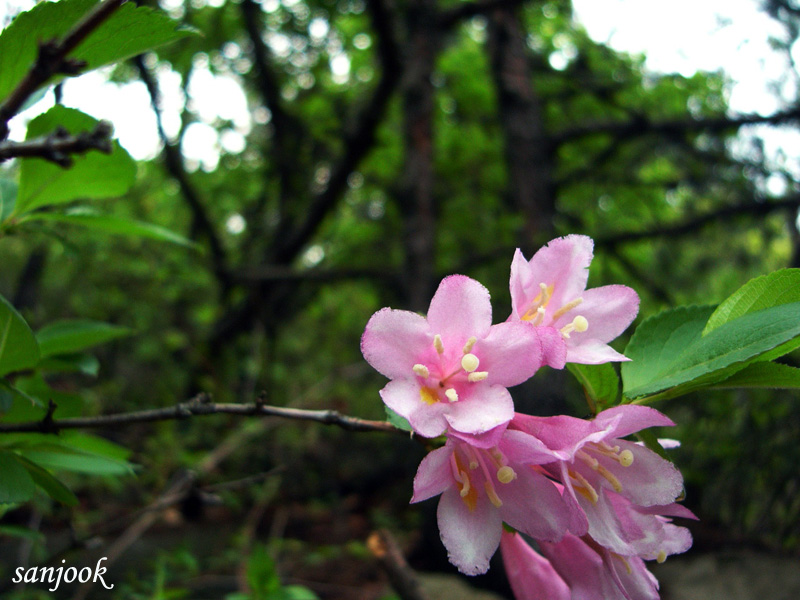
<point>460,308</point>
<point>563,263</point>
<point>394,341</point>
<point>519,447</point>
<point>626,419</point>
<point>650,480</point>
<point>554,347</point>
<point>532,504</point>
<point>433,475</point>
<point>403,397</point>
<point>588,351</point>
<point>487,439</point>
<point>531,576</point>
<point>470,536</point>
<point>511,353</point>
<point>608,309</point>
<point>521,285</point>
<point>485,408</point>
<point>562,434</point>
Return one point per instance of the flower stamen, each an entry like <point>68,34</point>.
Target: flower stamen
<point>579,324</point>
<point>469,345</point>
<point>451,394</point>
<point>421,370</point>
<point>437,343</point>
<point>566,308</point>
<point>477,376</point>
<point>469,362</point>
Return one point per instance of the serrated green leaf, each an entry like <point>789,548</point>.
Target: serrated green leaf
<point>93,175</point>
<point>52,486</point>
<point>774,289</point>
<point>127,32</point>
<point>738,341</point>
<point>763,375</point>
<point>397,420</point>
<point>16,485</point>
<point>18,347</point>
<point>658,342</point>
<point>600,382</point>
<point>70,336</point>
<point>114,225</point>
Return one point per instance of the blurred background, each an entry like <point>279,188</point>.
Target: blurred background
<point>332,157</point>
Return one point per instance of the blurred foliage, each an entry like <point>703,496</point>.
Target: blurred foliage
<point>305,314</point>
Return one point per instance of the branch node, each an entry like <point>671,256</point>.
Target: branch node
<point>47,425</point>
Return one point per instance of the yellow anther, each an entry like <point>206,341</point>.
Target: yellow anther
<point>626,458</point>
<point>506,474</point>
<point>477,376</point>
<point>566,308</point>
<point>469,345</point>
<point>487,485</point>
<point>437,343</point>
<point>451,394</point>
<point>469,362</point>
<point>662,556</point>
<point>421,370</point>
<point>580,324</point>
<point>473,465</point>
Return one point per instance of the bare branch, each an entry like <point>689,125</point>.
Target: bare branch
<point>174,163</point>
<point>53,59</point>
<point>642,125</point>
<point>402,577</point>
<point>195,408</point>
<point>59,146</point>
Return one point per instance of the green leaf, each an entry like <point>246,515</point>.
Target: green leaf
<point>93,175</point>
<point>659,341</point>
<point>649,439</point>
<point>129,31</point>
<point>70,336</point>
<point>763,375</point>
<point>662,363</point>
<point>261,573</point>
<point>86,364</point>
<point>8,198</point>
<point>114,225</point>
<point>18,347</point>
<point>52,486</point>
<point>60,457</point>
<point>600,382</point>
<point>16,485</point>
<point>21,532</point>
<point>774,289</point>
<point>397,420</point>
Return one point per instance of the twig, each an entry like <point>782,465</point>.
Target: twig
<point>53,59</point>
<point>195,408</point>
<point>402,577</point>
<point>58,146</point>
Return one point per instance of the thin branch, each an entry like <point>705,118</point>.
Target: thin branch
<point>277,273</point>
<point>402,577</point>
<point>693,225</point>
<point>642,125</point>
<point>59,146</point>
<point>174,163</point>
<point>196,408</point>
<point>53,59</point>
<point>360,139</point>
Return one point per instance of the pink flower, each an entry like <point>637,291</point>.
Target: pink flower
<point>483,487</point>
<point>453,367</point>
<point>575,324</point>
<point>595,466</point>
<point>594,573</point>
<point>531,576</point>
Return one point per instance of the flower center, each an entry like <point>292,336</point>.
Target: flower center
<point>434,386</point>
<point>624,458</point>
<point>482,462</point>
<point>537,311</point>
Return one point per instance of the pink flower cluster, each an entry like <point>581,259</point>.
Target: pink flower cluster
<point>596,504</point>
